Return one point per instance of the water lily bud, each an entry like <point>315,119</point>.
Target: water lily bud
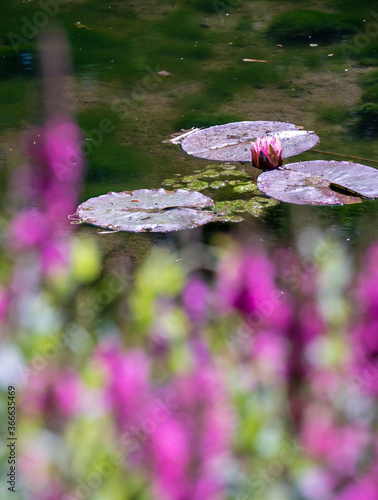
<point>267,153</point>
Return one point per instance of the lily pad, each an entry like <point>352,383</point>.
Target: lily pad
<point>217,184</point>
<point>205,179</point>
<point>320,183</point>
<point>154,210</point>
<point>246,187</point>
<point>210,173</point>
<point>197,185</point>
<point>232,141</point>
<point>188,178</point>
<point>228,211</point>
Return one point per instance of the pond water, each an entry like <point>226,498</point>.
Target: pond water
<point>266,367</point>
<point>315,69</point>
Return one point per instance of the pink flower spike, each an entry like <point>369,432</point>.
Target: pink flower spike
<point>267,153</point>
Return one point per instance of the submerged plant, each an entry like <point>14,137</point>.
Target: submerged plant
<point>267,153</point>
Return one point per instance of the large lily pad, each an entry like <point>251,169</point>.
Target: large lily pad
<point>320,183</point>
<point>154,210</point>
<point>232,142</point>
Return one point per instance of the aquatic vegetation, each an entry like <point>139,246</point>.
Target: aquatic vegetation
<point>370,94</point>
<point>229,211</point>
<point>217,184</point>
<point>196,185</point>
<point>313,182</point>
<point>332,114</point>
<point>154,210</point>
<point>181,24</point>
<point>366,54</point>
<point>215,7</point>
<point>299,25</point>
<point>224,173</point>
<point>244,187</point>
<point>231,182</point>
<point>267,153</point>
<point>364,120</point>
<point>321,183</point>
<point>231,141</point>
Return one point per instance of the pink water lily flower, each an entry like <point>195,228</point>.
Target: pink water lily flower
<point>267,153</point>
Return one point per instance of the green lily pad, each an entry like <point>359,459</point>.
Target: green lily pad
<point>188,178</point>
<point>228,217</point>
<point>199,181</point>
<point>245,187</point>
<point>237,173</point>
<point>217,184</point>
<point>198,185</point>
<point>169,182</point>
<point>210,173</point>
<point>254,206</point>
<point>230,182</point>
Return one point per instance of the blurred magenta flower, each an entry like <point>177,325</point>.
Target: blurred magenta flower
<point>365,488</point>
<point>246,282</point>
<point>188,449</point>
<point>364,334</point>
<point>270,351</point>
<point>48,187</point>
<point>267,153</point>
<point>341,447</point>
<point>4,303</point>
<point>179,429</point>
<point>195,298</point>
<point>170,459</point>
<point>52,393</point>
<point>29,229</point>
<point>127,389</point>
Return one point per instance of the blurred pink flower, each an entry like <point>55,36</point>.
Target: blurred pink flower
<point>4,303</point>
<point>170,459</point>
<point>245,281</point>
<point>339,446</point>
<point>29,229</point>
<point>271,350</point>
<point>52,393</point>
<point>364,334</point>
<point>188,448</point>
<point>365,488</point>
<point>48,190</point>
<point>63,149</point>
<point>195,300</point>
<point>127,390</point>
<point>55,256</point>
<point>180,429</point>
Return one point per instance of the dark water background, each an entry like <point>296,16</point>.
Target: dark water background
<point>321,73</point>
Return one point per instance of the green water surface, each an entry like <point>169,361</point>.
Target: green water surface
<point>320,72</point>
